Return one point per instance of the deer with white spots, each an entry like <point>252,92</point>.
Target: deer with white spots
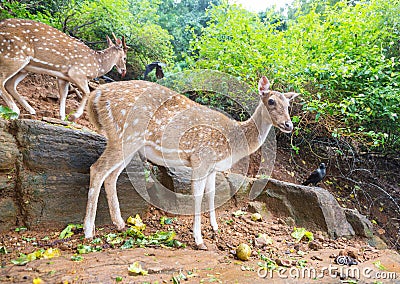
<point>171,130</point>
<point>29,46</point>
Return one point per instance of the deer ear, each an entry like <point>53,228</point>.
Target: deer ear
<point>291,95</point>
<point>109,42</point>
<point>263,85</point>
<point>124,46</point>
<point>118,42</point>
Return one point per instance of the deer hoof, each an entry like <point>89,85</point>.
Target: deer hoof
<point>72,118</point>
<point>202,246</point>
<point>121,227</point>
<point>215,236</point>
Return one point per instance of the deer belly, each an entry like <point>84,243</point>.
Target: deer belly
<point>164,157</point>
<point>48,71</point>
<point>224,165</point>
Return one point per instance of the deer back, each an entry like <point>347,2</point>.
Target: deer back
<point>172,125</point>
<point>45,47</point>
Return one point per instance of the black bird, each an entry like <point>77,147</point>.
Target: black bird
<point>316,176</point>
<point>158,65</point>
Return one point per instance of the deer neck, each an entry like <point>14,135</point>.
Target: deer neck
<point>255,130</point>
<point>106,59</point>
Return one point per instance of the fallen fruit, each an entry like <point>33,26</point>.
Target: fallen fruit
<point>243,252</point>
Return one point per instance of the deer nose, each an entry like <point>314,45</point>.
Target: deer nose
<point>288,125</point>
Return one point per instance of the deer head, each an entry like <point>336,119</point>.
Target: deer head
<point>277,105</point>
<point>122,49</point>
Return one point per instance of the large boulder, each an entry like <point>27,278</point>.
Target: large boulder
<point>311,207</point>
<point>44,176</point>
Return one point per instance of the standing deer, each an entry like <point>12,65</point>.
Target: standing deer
<point>29,46</point>
<point>173,131</point>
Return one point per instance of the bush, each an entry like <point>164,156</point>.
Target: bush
<point>344,59</point>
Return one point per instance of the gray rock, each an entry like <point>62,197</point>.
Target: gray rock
<point>44,176</point>
<point>8,213</point>
<point>8,151</point>
<point>259,207</point>
<point>361,225</point>
<point>311,207</point>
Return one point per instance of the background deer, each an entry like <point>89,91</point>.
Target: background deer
<point>28,46</point>
<point>173,131</point>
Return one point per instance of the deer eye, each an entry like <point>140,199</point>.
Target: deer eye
<point>271,102</point>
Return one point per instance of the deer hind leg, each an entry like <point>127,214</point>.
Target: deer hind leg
<point>11,87</point>
<point>63,91</point>
<point>110,185</point>
<point>210,191</point>
<point>7,71</point>
<point>198,186</point>
<point>109,161</point>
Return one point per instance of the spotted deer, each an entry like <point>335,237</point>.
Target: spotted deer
<point>171,130</point>
<point>29,46</point>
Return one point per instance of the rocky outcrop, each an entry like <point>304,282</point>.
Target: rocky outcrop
<point>311,207</point>
<point>44,178</point>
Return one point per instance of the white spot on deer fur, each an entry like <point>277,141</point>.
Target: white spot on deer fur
<point>123,112</point>
<point>135,121</point>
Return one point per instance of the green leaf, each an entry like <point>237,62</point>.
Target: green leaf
<point>21,229</point>
<point>3,250</point>
<point>128,244</point>
<point>76,257</point>
<point>379,265</point>
<point>300,233</point>
<point>136,223</point>
<point>7,113</point>
<point>136,269</point>
<point>239,213</point>
<point>68,231</point>
<point>83,249</point>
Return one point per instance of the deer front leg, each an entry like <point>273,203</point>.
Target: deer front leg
<point>84,87</point>
<point>198,186</point>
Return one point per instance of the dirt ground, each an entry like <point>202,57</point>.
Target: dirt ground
<point>187,265</point>
<point>109,264</point>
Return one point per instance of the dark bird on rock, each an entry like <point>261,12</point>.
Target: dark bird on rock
<point>159,72</point>
<point>316,176</point>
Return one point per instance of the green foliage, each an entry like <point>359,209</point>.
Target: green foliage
<point>25,9</point>
<point>182,19</point>
<point>301,233</point>
<point>38,254</point>
<point>343,58</point>
<point>69,231</point>
<point>7,113</point>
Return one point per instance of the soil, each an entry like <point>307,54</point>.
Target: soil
<point>172,265</point>
<point>219,264</point>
